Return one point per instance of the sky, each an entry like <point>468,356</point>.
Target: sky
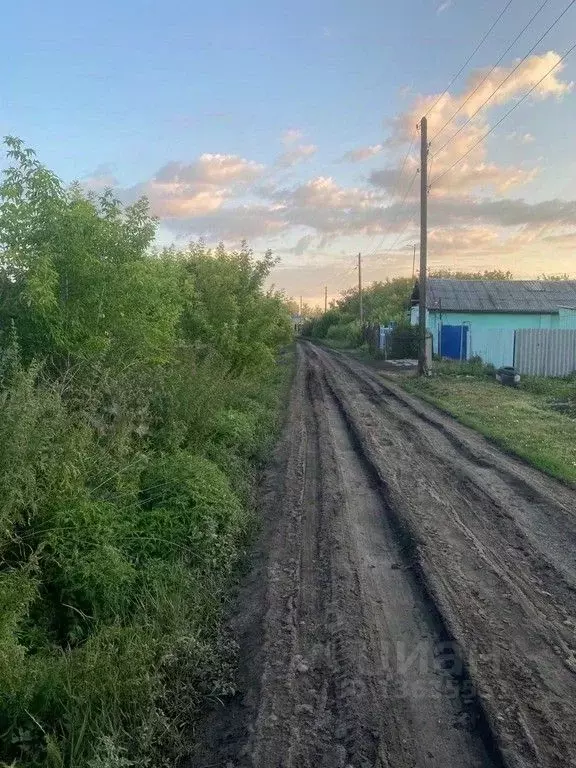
<point>294,125</point>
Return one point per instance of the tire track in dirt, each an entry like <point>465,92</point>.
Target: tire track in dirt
<point>345,662</point>
<point>494,542</point>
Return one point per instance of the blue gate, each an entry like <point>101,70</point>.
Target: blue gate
<point>454,342</point>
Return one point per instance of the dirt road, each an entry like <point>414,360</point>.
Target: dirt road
<point>413,595</point>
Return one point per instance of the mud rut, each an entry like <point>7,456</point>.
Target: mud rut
<point>412,600</point>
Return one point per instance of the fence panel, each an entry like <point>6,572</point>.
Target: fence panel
<point>493,345</point>
<point>545,352</point>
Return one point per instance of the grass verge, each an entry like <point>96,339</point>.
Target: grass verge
<point>522,421</point>
<point>113,589</point>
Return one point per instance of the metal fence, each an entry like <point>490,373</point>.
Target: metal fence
<point>393,342</point>
<point>540,352</point>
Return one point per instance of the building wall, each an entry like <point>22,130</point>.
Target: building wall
<point>567,318</point>
<point>491,334</point>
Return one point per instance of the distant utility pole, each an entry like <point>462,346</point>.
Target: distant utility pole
<point>422,360</point>
<point>360,288</point>
<point>300,305</point>
<point>414,262</point>
<point>325,298</point>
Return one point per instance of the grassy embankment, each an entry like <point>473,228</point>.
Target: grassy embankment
<point>139,391</point>
<point>523,421</point>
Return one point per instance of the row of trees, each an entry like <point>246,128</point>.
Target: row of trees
<point>384,303</point>
<point>137,389</point>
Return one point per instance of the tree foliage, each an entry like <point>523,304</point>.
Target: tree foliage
<point>136,389</point>
<point>384,302</point>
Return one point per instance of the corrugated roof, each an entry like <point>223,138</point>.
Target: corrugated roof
<point>499,295</point>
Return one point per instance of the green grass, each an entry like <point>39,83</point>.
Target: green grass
<point>117,572</point>
<point>522,421</point>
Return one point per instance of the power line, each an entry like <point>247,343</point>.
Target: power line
<point>399,180</point>
<point>469,59</point>
<point>401,234</point>
<point>515,106</point>
<point>400,237</point>
<point>394,194</point>
<point>512,44</point>
<point>508,76</point>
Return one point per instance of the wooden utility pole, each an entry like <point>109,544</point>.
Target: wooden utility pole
<point>360,288</point>
<point>300,306</point>
<point>325,299</point>
<point>422,279</point>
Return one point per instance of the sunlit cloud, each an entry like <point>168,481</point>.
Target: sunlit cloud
<point>361,153</point>
<point>478,212</point>
<point>296,155</point>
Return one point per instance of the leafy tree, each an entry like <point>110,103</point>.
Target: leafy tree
<point>488,274</point>
<point>74,275</point>
<point>226,308</point>
<point>136,391</point>
<point>561,276</point>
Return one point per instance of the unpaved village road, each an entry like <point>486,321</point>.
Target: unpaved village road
<point>413,595</point>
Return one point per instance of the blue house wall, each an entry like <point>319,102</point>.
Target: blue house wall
<point>491,334</point>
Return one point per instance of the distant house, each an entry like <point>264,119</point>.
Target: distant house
<point>479,317</point>
<point>297,323</point>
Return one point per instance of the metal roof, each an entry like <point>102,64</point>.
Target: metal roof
<point>499,295</point>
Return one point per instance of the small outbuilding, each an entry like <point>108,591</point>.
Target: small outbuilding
<point>480,317</point>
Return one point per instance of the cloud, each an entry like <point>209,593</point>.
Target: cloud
<point>229,197</point>
<point>562,240</point>
<point>195,204</point>
<point>505,212</point>
<point>176,201</point>
<point>453,137</point>
<point>302,245</point>
<point>462,239</point>
<point>231,223</point>
<point>291,136</point>
<point>297,155</point>
<point>523,138</point>
<point>361,153</point>
<point>210,170</point>
<point>324,193</point>
<point>443,6</point>
<point>100,179</point>
<point>181,190</point>
<point>397,179</point>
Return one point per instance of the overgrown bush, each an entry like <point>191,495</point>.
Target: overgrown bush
<point>346,334</point>
<point>137,391</point>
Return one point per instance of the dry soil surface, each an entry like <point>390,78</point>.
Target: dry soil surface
<point>412,600</point>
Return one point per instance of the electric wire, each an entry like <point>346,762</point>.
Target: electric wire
<point>402,204</point>
<point>469,59</point>
<point>481,83</point>
<point>501,120</point>
<point>394,194</point>
<point>508,76</point>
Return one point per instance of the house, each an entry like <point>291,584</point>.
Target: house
<point>298,321</point>
<point>480,317</point>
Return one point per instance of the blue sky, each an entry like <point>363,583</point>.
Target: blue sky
<point>113,92</point>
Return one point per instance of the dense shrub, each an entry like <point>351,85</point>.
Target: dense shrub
<point>137,389</point>
<point>347,334</point>
<point>383,302</point>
